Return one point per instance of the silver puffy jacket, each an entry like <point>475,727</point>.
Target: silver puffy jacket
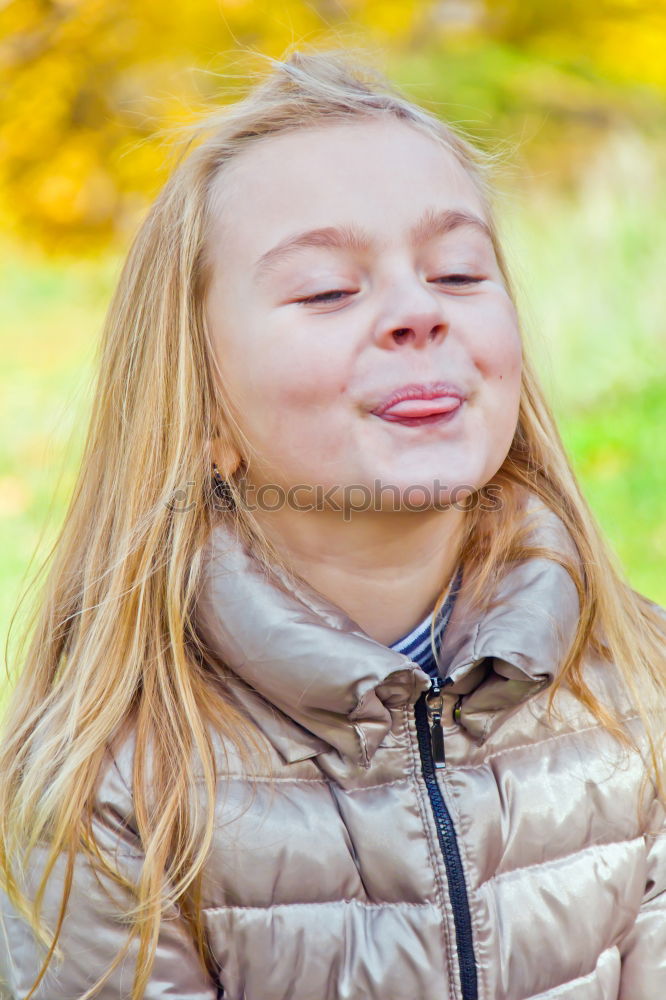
<point>523,866</point>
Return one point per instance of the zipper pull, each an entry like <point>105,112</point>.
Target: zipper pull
<point>434,705</point>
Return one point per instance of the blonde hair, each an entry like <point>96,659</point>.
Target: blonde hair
<point>111,640</point>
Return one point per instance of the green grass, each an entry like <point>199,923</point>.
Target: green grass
<point>589,269</point>
<point>52,316</point>
<point>619,450</point>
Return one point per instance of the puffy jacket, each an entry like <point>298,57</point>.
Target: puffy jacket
<point>523,866</point>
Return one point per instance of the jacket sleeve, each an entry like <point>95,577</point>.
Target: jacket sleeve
<point>643,949</point>
<point>93,931</point>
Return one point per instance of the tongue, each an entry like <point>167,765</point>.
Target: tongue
<point>422,407</point>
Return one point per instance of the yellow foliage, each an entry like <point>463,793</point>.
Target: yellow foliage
<point>85,85</point>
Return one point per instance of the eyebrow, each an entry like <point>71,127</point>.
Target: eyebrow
<point>431,224</point>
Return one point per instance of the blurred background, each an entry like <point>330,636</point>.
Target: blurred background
<point>571,94</point>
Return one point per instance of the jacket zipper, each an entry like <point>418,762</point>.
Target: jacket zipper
<point>428,715</point>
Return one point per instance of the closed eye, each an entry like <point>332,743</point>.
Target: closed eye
<point>458,279</point>
<point>336,294</point>
<point>324,297</point>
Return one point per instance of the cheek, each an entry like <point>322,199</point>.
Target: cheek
<point>496,350</point>
<point>288,402</point>
<point>298,374</point>
<point>268,365</point>
<point>497,346</point>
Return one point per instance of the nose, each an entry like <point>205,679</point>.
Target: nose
<point>412,316</point>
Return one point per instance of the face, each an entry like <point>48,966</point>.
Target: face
<point>359,316</point>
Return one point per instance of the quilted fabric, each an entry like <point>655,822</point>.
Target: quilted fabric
<point>532,866</point>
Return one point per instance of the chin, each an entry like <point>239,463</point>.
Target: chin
<point>461,480</point>
<point>420,492</point>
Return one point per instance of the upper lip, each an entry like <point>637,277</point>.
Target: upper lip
<point>419,390</point>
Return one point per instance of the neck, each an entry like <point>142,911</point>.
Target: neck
<point>385,571</point>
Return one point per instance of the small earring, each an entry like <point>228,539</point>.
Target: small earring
<point>221,490</point>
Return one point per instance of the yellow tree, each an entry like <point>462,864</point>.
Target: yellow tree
<point>85,85</point>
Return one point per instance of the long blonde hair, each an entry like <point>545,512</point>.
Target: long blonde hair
<point>111,639</point>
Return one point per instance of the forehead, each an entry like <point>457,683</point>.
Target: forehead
<point>380,175</point>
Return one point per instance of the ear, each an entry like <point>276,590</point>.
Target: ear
<point>225,455</point>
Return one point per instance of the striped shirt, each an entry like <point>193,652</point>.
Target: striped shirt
<point>416,644</point>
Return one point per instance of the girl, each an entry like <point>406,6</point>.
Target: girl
<point>333,690</point>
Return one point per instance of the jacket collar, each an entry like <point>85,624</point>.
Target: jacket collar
<point>334,686</point>
<point>499,659</point>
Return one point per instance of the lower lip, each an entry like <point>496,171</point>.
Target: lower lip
<point>433,418</point>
